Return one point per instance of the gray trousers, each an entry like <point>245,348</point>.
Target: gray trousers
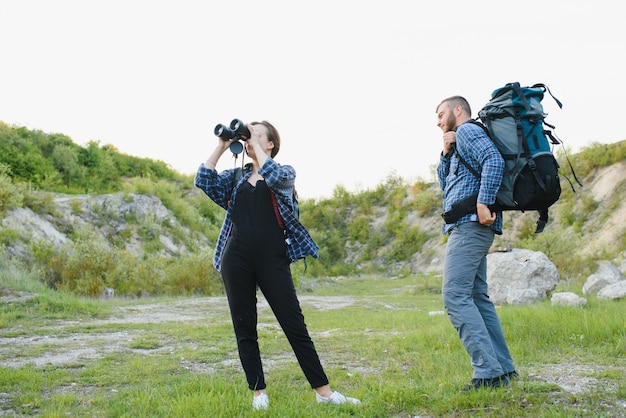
<point>465,297</point>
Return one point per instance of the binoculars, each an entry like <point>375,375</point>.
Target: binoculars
<point>235,132</point>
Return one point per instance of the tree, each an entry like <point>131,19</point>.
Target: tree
<point>65,160</point>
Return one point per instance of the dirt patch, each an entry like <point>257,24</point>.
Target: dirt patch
<point>55,350</point>
<point>7,295</point>
<point>53,345</point>
<point>574,378</point>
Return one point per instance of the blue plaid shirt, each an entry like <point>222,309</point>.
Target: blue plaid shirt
<point>458,182</point>
<point>222,189</point>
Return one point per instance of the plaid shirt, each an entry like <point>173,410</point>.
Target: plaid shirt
<point>222,189</point>
<point>457,182</point>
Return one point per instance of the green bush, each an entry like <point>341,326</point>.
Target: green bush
<point>83,267</point>
<point>54,163</point>
<point>40,202</point>
<point>11,196</point>
<point>193,275</point>
<point>9,236</point>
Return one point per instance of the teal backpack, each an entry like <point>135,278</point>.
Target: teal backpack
<point>514,119</point>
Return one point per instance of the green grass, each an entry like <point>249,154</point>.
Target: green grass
<point>375,337</point>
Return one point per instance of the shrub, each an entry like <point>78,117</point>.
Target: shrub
<point>11,196</point>
<point>82,267</point>
<point>192,275</point>
<point>42,203</point>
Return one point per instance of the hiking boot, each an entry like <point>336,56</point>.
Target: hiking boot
<point>511,375</point>
<point>487,383</point>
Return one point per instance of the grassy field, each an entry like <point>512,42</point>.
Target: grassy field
<point>383,340</point>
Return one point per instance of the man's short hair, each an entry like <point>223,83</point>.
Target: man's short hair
<point>457,101</point>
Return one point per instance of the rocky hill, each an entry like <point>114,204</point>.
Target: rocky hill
<point>133,219</point>
<point>585,227</point>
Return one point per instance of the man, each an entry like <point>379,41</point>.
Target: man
<point>469,238</point>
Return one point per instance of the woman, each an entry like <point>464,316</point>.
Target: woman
<point>253,250</point>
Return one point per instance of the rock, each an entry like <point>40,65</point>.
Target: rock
<point>568,299</point>
<point>34,227</point>
<point>523,296</point>
<point>606,274</point>
<point>613,291</point>
<point>520,276</point>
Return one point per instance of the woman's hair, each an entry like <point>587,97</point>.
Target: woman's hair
<point>272,135</point>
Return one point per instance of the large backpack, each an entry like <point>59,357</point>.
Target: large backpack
<point>514,120</point>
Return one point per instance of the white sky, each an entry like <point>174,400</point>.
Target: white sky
<point>351,85</point>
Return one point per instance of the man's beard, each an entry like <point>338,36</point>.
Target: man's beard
<point>450,124</point>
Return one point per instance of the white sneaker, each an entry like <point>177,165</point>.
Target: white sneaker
<point>260,402</point>
<point>336,399</point>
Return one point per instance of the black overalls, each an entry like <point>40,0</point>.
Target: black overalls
<point>255,253</point>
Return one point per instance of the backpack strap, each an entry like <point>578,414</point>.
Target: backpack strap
<point>556,141</point>
<point>542,221</point>
<point>279,218</point>
<point>545,88</point>
<point>522,144</point>
<point>518,90</point>
<point>466,164</point>
<point>461,159</point>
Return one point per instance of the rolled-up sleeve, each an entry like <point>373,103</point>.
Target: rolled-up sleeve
<point>217,186</point>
